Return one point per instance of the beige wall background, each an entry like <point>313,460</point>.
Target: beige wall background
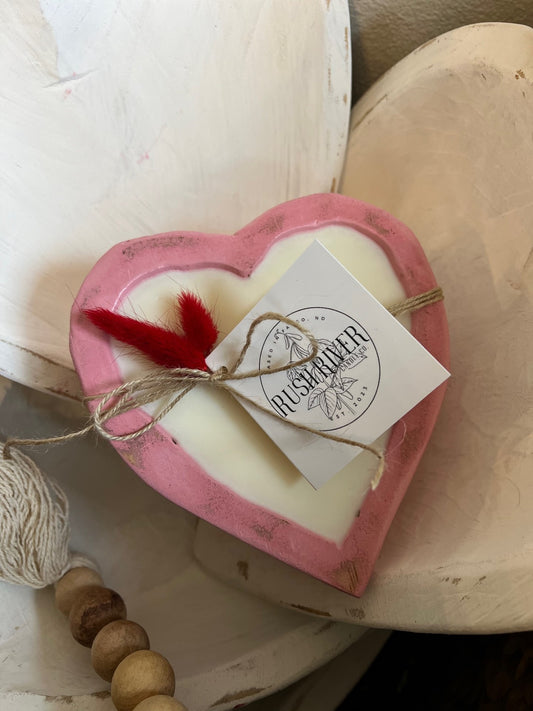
<point>384,31</point>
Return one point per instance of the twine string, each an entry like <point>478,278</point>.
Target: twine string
<point>414,303</point>
<point>180,381</point>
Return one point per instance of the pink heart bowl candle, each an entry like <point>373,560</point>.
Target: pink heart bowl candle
<point>207,454</point>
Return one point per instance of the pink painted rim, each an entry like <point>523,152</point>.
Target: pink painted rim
<point>167,468</point>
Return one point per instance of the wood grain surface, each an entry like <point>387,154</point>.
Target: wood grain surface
<point>120,121</point>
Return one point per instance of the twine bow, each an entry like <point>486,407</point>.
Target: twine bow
<point>179,381</point>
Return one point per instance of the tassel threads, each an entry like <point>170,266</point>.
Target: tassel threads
<point>34,525</point>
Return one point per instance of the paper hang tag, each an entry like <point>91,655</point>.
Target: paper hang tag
<point>370,371</point>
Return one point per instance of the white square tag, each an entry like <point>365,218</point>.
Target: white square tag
<point>370,370</point>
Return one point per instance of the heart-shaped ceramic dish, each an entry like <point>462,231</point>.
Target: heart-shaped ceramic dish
<point>159,456</point>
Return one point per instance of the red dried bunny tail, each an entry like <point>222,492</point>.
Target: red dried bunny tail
<point>162,346</point>
<point>197,322</point>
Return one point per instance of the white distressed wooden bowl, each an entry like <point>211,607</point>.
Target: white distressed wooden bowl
<point>443,142</point>
<point>121,121</point>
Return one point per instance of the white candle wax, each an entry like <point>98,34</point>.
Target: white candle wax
<point>215,430</point>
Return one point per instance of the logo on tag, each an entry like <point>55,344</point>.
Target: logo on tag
<point>337,386</point>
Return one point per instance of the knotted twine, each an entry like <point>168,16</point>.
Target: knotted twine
<point>34,523</point>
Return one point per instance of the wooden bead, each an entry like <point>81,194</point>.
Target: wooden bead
<point>68,587</point>
<point>160,703</point>
<point>139,676</point>
<point>92,609</point>
<point>113,644</point>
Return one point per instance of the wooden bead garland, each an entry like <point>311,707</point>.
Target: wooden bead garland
<point>93,608</point>
<point>141,680</point>
<point>139,676</point>
<point>69,586</point>
<point>113,644</point>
